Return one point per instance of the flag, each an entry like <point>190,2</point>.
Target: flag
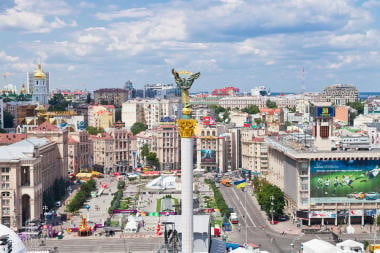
<point>242,185</point>
<point>240,181</point>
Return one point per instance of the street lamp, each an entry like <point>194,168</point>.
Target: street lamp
<point>271,209</point>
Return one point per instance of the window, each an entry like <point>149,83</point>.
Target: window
<point>5,170</point>
<point>6,210</point>
<point>5,186</point>
<point>5,178</point>
<point>5,202</point>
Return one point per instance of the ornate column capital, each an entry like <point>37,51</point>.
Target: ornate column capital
<point>186,127</point>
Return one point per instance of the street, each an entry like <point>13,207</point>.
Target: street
<point>94,244</point>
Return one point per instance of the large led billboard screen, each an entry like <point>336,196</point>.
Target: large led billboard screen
<point>345,181</point>
<point>208,156</point>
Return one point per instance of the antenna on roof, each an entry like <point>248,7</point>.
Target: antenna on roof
<point>303,87</point>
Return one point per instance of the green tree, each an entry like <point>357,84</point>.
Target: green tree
<point>152,159</point>
<point>8,119</point>
<point>58,103</point>
<point>251,109</point>
<point>358,106</point>
<point>144,150</point>
<point>93,130</point>
<point>264,198</point>
<point>271,104</point>
<point>138,127</point>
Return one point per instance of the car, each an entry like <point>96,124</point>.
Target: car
<point>371,196</point>
<point>274,222</point>
<point>283,218</point>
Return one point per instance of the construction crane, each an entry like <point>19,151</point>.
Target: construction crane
<point>5,75</point>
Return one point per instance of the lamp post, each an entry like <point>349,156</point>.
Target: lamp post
<point>271,209</point>
<point>45,208</point>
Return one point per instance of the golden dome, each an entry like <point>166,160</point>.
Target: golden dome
<point>39,74</point>
<point>23,90</point>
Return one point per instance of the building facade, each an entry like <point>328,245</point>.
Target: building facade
<point>166,144</point>
<point>38,85</point>
<point>79,151</point>
<point>322,186</point>
<point>112,96</point>
<point>101,116</point>
<point>340,94</point>
<point>27,168</point>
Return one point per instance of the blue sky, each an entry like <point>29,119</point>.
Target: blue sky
<point>241,43</point>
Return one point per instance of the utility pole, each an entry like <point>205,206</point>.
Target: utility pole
<point>271,209</point>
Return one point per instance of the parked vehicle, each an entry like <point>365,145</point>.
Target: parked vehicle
<point>234,218</point>
<point>226,182</point>
<point>371,196</point>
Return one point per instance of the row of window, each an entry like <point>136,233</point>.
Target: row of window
<point>5,170</point>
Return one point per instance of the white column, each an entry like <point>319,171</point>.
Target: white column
<point>187,194</point>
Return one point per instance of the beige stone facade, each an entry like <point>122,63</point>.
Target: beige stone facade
<point>79,152</point>
<point>101,116</point>
<point>254,151</point>
<point>27,169</point>
<point>166,144</point>
<point>148,111</point>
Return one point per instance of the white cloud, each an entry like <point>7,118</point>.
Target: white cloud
<point>128,13</point>
<point>7,58</point>
<point>86,5</point>
<point>70,68</point>
<point>23,16</point>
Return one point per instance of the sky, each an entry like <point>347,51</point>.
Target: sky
<point>285,45</point>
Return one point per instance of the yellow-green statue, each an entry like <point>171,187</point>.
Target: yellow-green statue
<point>184,84</point>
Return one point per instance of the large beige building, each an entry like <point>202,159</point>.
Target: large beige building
<point>103,150</point>
<point>27,169</point>
<point>79,151</point>
<point>340,94</point>
<point>124,148</point>
<point>101,116</point>
<point>254,151</point>
<point>166,144</point>
<point>148,111</point>
<point>58,136</point>
<point>323,186</point>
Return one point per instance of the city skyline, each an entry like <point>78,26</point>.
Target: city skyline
<point>283,45</point>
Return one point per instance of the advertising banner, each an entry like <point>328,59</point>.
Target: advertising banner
<point>356,212</point>
<point>345,181</point>
<point>322,214</point>
<point>208,156</point>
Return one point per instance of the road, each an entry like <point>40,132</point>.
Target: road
<point>93,244</point>
<point>255,229</point>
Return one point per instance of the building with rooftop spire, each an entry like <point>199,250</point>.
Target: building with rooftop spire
<point>38,85</point>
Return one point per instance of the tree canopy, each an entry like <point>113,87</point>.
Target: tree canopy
<point>58,103</point>
<point>358,106</point>
<point>251,109</point>
<point>264,192</point>
<point>138,127</point>
<point>271,104</point>
<point>93,130</point>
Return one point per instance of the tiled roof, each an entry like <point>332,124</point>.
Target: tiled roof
<point>46,126</point>
<point>7,138</point>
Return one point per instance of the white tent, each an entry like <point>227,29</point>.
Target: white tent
<point>318,246</point>
<point>350,246</point>
<point>131,227</point>
<point>17,245</point>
